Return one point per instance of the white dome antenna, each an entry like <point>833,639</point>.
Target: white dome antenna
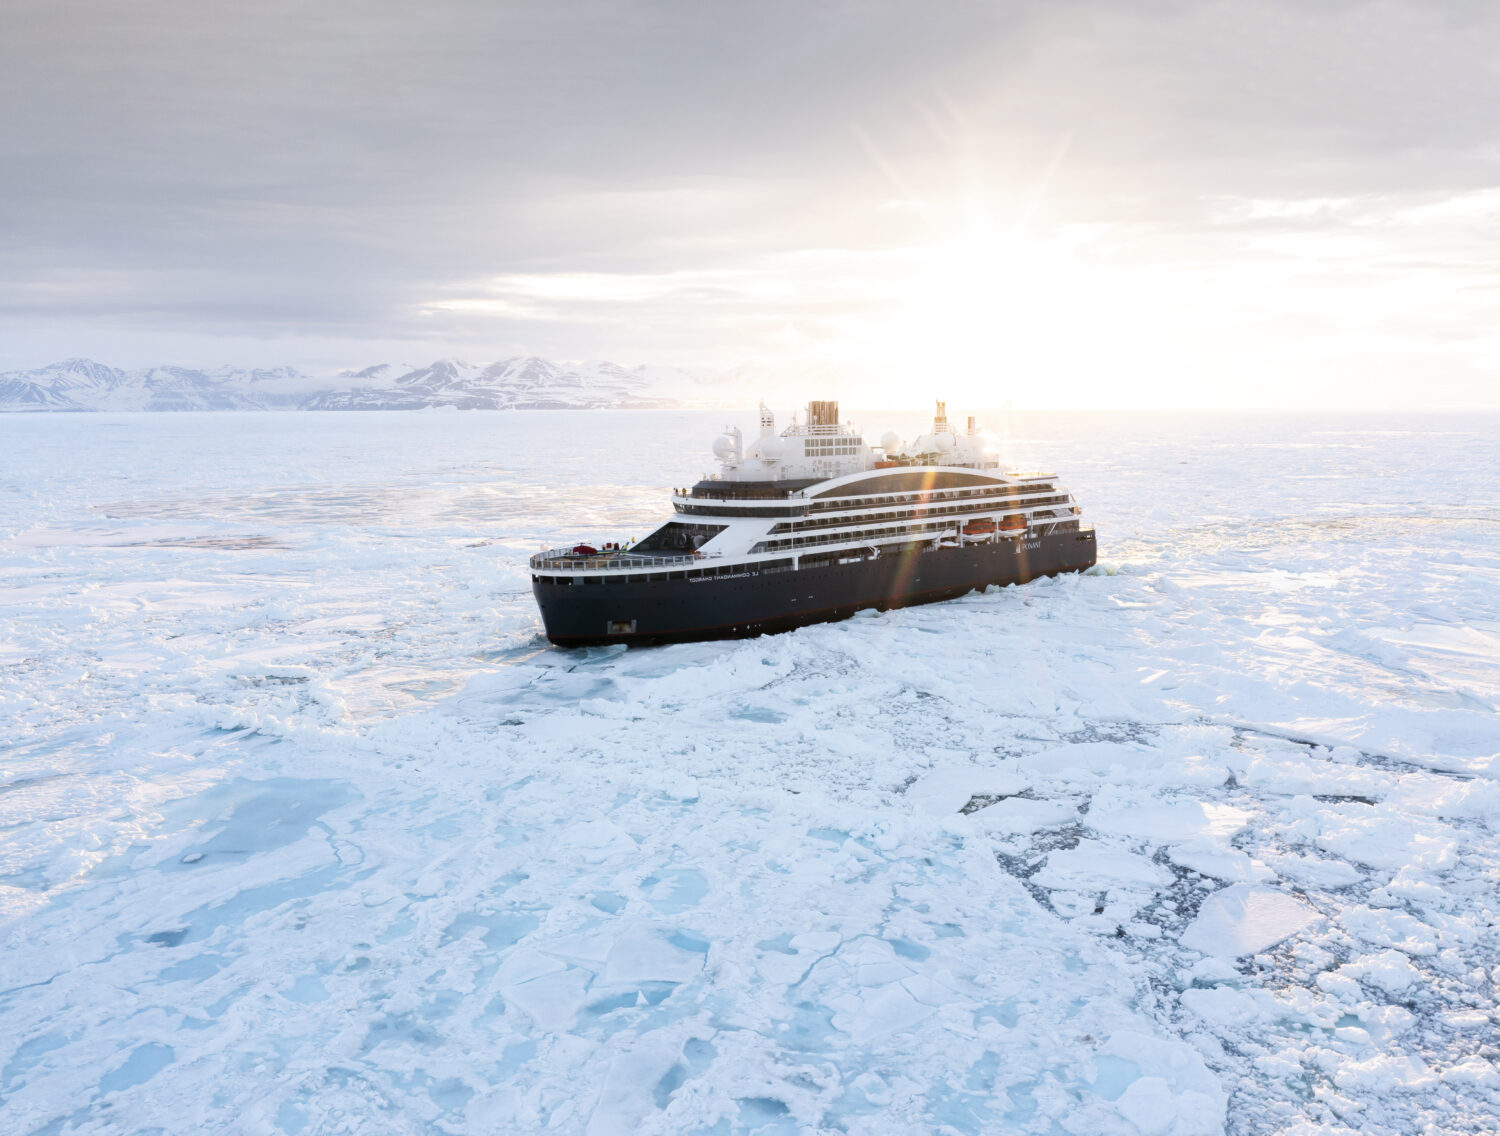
<point>727,445</point>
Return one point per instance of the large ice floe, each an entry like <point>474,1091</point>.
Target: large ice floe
<point>304,829</point>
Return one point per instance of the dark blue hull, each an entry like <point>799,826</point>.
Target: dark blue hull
<point>749,602</point>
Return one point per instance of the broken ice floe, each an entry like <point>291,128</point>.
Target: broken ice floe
<point>313,830</point>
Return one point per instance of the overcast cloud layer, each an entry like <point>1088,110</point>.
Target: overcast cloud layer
<point>1163,202</point>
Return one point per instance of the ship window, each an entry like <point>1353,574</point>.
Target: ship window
<point>678,536</point>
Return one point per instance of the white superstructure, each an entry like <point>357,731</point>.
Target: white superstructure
<point>822,447</point>
<point>819,493</point>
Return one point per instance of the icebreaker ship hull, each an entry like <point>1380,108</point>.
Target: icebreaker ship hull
<point>748,602</point>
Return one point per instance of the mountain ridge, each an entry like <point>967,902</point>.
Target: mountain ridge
<point>526,382</point>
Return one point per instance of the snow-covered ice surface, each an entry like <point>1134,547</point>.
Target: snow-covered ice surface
<point>303,828</point>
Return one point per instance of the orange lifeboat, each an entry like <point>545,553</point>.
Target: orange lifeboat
<point>1013,523</point>
<point>979,527</point>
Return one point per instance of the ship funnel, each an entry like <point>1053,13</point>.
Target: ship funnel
<point>823,412</point>
<point>767,422</point>
<point>940,419</point>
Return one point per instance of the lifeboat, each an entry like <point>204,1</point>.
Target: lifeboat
<point>979,527</point>
<point>1015,522</point>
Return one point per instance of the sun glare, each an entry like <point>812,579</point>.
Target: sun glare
<point>994,317</point>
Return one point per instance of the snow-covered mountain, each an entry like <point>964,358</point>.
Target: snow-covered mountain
<point>82,384</point>
<point>60,386</point>
<point>522,383</point>
<point>511,384</point>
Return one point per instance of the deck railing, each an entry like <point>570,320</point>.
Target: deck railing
<point>711,494</point>
<point>566,558</point>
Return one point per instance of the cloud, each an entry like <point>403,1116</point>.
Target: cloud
<point>699,183</point>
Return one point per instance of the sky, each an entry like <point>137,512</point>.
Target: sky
<point>1076,203</point>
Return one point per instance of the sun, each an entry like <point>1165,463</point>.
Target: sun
<point>991,317</point>
<point>977,309</point>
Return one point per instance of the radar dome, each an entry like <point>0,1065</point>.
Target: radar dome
<point>769,448</point>
<point>724,447</point>
<point>946,442</point>
<point>890,442</point>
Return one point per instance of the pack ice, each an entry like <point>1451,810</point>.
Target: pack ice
<point>304,829</point>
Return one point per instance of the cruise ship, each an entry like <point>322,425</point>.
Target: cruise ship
<point>813,524</point>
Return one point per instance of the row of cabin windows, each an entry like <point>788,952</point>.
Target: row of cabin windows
<point>732,491</point>
<point>974,507</point>
<point>824,447</point>
<point>1000,492</point>
<point>982,504</point>
<point>787,544</point>
<point>793,542</point>
<point>998,495</point>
